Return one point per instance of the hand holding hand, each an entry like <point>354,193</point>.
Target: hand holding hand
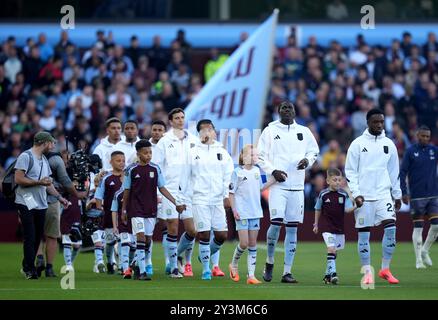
<point>359,201</point>
<point>45,181</point>
<point>303,164</point>
<point>124,217</point>
<point>64,202</point>
<point>397,205</point>
<point>227,203</point>
<point>181,208</point>
<point>279,175</point>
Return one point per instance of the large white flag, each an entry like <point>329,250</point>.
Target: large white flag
<point>235,97</point>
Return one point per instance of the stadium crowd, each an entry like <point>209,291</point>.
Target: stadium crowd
<point>71,91</point>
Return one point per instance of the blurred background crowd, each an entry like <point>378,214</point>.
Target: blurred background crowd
<point>71,91</point>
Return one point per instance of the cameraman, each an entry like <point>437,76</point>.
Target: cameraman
<point>64,185</point>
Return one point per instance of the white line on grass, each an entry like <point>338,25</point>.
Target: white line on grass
<point>200,287</point>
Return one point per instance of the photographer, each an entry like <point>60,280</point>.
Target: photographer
<point>32,175</point>
<point>64,185</point>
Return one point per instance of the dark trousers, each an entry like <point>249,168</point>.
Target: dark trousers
<point>32,222</point>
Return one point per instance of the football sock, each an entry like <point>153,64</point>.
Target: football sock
<point>204,254</point>
<point>236,256</point>
<point>172,251</point>
<point>215,246</point>
<point>109,251</point>
<point>74,254</point>
<point>331,263</point>
<point>189,252</point>
<point>125,255</point>
<point>215,258</point>
<point>67,254</point>
<point>388,244</point>
<point>119,253</point>
<point>140,252</point>
<point>290,244</point>
<point>164,243</point>
<point>185,241</point>
<point>363,246</point>
<point>431,236</point>
<point>131,254</point>
<point>252,257</point>
<point>148,251</point>
<point>417,239</point>
<point>272,238</point>
<point>98,254</point>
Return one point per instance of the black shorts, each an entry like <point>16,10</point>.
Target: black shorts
<point>423,207</point>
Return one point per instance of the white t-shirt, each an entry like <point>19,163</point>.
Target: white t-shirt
<point>246,185</point>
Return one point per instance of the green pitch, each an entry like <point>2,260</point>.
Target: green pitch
<point>308,270</point>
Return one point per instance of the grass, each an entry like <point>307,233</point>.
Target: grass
<point>308,269</point>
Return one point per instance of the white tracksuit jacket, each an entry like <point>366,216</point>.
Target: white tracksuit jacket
<point>128,148</point>
<point>210,172</point>
<point>104,150</point>
<point>372,167</point>
<point>281,147</point>
<point>172,155</point>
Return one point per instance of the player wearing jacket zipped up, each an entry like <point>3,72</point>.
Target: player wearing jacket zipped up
<point>210,169</point>
<point>420,167</point>
<point>372,172</point>
<point>286,149</point>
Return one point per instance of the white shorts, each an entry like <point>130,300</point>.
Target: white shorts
<point>372,213</point>
<point>125,237</point>
<point>160,214</point>
<point>143,225</point>
<point>169,211</point>
<point>66,240</point>
<point>109,235</point>
<point>286,205</point>
<point>98,236</point>
<point>248,224</point>
<point>207,218</point>
<point>334,240</point>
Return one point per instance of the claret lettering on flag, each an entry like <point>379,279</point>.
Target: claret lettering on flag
<point>235,97</point>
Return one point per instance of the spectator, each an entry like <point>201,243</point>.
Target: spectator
<point>431,44</point>
<point>330,154</point>
<point>216,61</point>
<point>399,138</point>
<point>406,44</point>
<point>414,56</point>
<point>45,48</point>
<point>168,97</point>
<point>32,66</point>
<point>358,118</point>
<point>180,78</point>
<point>145,71</point>
<point>293,64</point>
<point>395,52</point>
<point>12,65</point>
<point>64,42</point>
<point>158,55</point>
<point>134,51</point>
<point>183,44</point>
<point>47,121</point>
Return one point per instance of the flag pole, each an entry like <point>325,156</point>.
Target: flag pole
<point>269,70</point>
